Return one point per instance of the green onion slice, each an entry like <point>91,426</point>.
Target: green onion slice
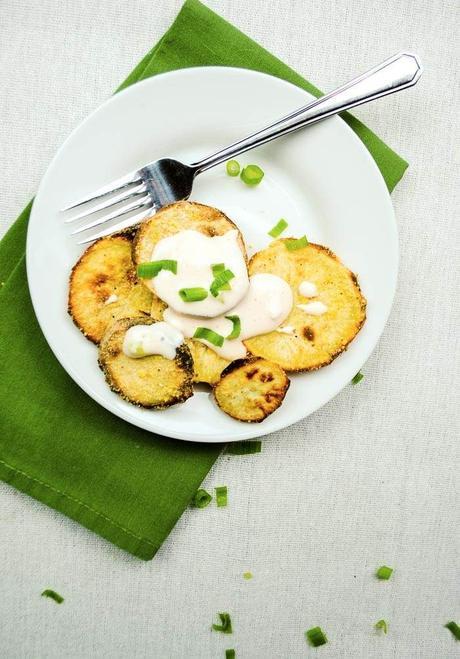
<point>209,335</point>
<point>226,626</point>
<point>316,636</point>
<point>221,282</point>
<point>230,654</point>
<point>454,628</point>
<point>52,594</point>
<point>201,499</point>
<point>152,268</point>
<point>233,167</point>
<point>278,228</point>
<point>221,496</point>
<point>384,572</point>
<point>193,294</point>
<point>296,243</point>
<point>357,378</point>
<point>217,267</point>
<point>244,448</point>
<point>252,175</point>
<point>247,575</point>
<point>236,331</point>
<point>383,625</point>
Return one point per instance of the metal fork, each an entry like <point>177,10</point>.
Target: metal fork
<point>138,195</point>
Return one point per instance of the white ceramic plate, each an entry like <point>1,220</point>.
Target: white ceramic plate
<point>321,179</point>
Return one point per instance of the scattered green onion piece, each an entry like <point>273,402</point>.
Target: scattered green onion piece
<point>236,331</point>
<point>357,378</point>
<point>152,268</point>
<point>383,625</point>
<point>221,282</point>
<point>384,572</point>
<point>247,575</point>
<point>296,243</point>
<point>316,636</point>
<point>278,228</point>
<point>221,496</point>
<point>209,335</point>
<point>230,654</point>
<point>217,267</point>
<point>454,628</point>
<point>52,594</point>
<point>252,175</point>
<point>201,499</point>
<point>244,448</point>
<point>233,167</point>
<point>226,626</point>
<point>193,294</point>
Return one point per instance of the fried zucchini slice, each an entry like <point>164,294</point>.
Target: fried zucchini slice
<point>103,287</point>
<point>152,381</point>
<point>179,217</point>
<point>316,340</point>
<point>207,365</point>
<point>251,389</point>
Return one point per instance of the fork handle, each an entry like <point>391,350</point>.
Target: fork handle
<point>396,73</point>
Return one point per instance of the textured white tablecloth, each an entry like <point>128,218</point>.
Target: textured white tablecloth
<point>370,479</point>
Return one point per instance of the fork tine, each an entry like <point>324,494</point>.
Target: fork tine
<point>126,194</point>
<point>132,206</point>
<point>109,188</point>
<point>131,221</point>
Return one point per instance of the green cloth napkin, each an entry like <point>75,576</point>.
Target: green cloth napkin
<point>56,444</point>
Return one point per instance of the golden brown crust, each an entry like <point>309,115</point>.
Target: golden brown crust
<point>316,340</point>
<point>207,364</point>
<point>251,389</point>
<point>153,381</point>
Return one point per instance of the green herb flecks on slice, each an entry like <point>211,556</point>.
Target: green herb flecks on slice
<point>296,243</point>
<point>316,636</point>
<point>236,331</point>
<point>244,448</point>
<point>221,282</point>
<point>226,624</point>
<point>382,625</point>
<point>233,167</point>
<point>278,228</point>
<point>52,594</point>
<point>221,496</point>
<point>252,175</point>
<point>384,572</point>
<point>201,499</point>
<point>193,294</point>
<point>210,336</point>
<point>152,268</point>
<point>454,628</point>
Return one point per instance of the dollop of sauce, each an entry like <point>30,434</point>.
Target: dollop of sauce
<point>265,307</point>
<point>307,289</point>
<point>315,308</point>
<point>157,339</point>
<point>195,254</point>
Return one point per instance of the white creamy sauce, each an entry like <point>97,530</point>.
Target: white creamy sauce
<point>111,299</point>
<point>308,289</point>
<point>195,253</point>
<point>315,308</point>
<point>287,329</point>
<point>157,339</point>
<point>265,307</point>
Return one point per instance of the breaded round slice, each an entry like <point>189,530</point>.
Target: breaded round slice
<point>315,340</point>
<point>251,389</point>
<point>103,287</point>
<point>152,381</point>
<point>181,216</point>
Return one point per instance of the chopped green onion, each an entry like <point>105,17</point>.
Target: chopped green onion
<point>316,636</point>
<point>233,167</point>
<point>210,336</point>
<point>357,378</point>
<point>52,594</point>
<point>201,499</point>
<point>230,654</point>
<point>454,628</point>
<point>252,175</point>
<point>152,268</point>
<point>221,496</point>
<point>383,625</point>
<point>384,572</point>
<point>244,448</point>
<point>217,267</point>
<point>226,626</point>
<point>221,282</point>
<point>193,294</point>
<point>296,243</point>
<point>278,228</point>
<point>236,331</point>
<point>247,575</point>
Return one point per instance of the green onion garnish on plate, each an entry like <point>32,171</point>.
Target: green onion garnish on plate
<point>230,654</point>
<point>454,628</point>
<point>221,496</point>
<point>244,448</point>
<point>381,625</point>
<point>209,335</point>
<point>221,282</point>
<point>193,294</point>
<point>384,572</point>
<point>357,378</point>
<point>316,636</point>
<point>52,594</point>
<point>252,175</point>
<point>217,267</point>
<point>226,624</point>
<point>296,243</point>
<point>236,331</point>
<point>233,167</point>
<point>201,499</point>
<point>150,269</point>
<point>278,228</point>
